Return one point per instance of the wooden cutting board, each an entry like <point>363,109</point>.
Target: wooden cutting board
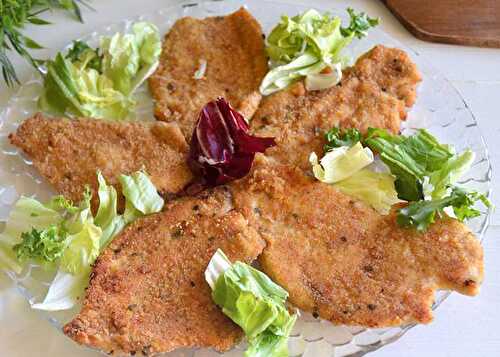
<point>472,22</point>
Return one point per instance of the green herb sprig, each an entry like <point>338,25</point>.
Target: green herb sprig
<point>359,25</point>
<point>14,16</point>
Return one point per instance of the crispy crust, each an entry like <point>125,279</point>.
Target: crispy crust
<point>147,291</point>
<point>233,47</point>
<point>342,260</point>
<point>69,152</point>
<point>372,93</point>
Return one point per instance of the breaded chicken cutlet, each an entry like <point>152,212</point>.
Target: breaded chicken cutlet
<point>373,93</point>
<point>147,292</point>
<point>232,47</point>
<point>69,152</point>
<point>340,259</point>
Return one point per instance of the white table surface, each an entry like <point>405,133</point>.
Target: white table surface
<point>463,326</point>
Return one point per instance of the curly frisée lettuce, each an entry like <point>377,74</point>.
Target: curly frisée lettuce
<point>27,215</point>
<point>309,45</point>
<point>100,83</point>
<point>69,238</point>
<point>254,302</point>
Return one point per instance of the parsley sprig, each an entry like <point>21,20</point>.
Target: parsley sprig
<point>14,16</point>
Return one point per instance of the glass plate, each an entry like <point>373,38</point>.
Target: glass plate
<point>439,108</point>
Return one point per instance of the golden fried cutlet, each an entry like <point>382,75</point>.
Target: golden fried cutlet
<point>233,48</point>
<point>69,152</point>
<point>147,292</point>
<point>372,93</point>
<point>340,259</point>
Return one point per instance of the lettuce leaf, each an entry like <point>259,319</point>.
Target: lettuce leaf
<point>60,90</point>
<point>422,214</point>
<point>128,59</point>
<point>100,83</point>
<point>450,173</point>
<point>307,44</point>
<point>254,302</point>
<point>107,217</point>
<point>64,291</point>
<point>82,249</point>
<point>141,193</point>
<point>340,163</point>
<point>374,188</point>
<point>409,158</point>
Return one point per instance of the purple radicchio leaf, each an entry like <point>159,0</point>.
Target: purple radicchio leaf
<point>222,150</point>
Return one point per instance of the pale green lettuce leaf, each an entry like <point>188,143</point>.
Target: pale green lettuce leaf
<point>82,249</point>
<point>130,58</point>
<point>374,188</point>
<point>120,60</point>
<point>282,76</point>
<point>341,163</point>
<point>107,216</point>
<point>450,173</point>
<point>254,302</point>
<point>148,41</point>
<point>98,97</point>
<point>319,81</point>
<point>64,291</point>
<point>141,193</point>
<point>350,170</point>
<point>303,46</point>
<point>60,91</point>
<point>86,83</point>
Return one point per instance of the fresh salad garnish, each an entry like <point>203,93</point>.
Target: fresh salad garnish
<point>254,302</point>
<point>309,46</point>
<point>348,169</point>
<point>422,171</point>
<point>67,237</point>
<point>100,83</point>
<point>460,204</point>
<point>221,149</point>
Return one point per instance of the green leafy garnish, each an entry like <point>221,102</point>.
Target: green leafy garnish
<point>81,50</point>
<point>141,193</point>
<point>100,83</point>
<point>14,16</point>
<point>341,163</point>
<point>58,233</point>
<point>410,158</point>
<point>425,172</point>
<point>336,137</point>
<point>422,214</point>
<point>346,168</point>
<point>254,302</point>
<point>309,46</point>
<point>41,245</point>
<point>359,25</point>
<point>82,249</point>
